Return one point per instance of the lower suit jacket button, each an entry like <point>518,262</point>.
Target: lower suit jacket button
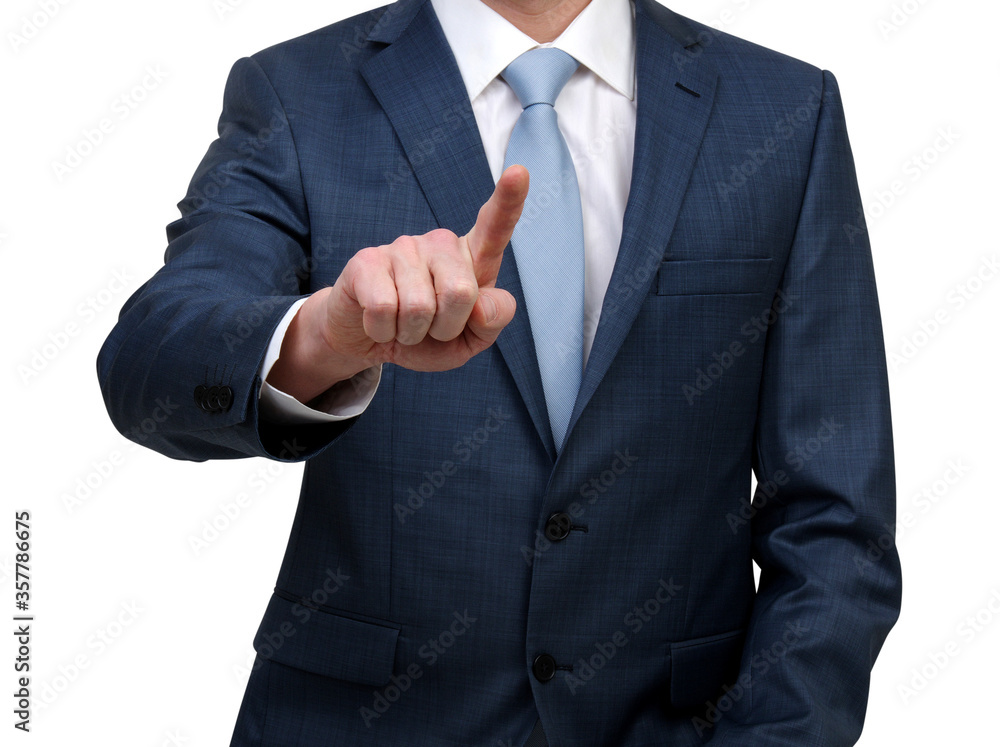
<point>544,667</point>
<point>557,526</point>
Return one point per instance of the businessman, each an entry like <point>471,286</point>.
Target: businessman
<point>533,287</point>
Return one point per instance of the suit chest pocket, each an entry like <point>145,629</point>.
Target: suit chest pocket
<point>709,277</point>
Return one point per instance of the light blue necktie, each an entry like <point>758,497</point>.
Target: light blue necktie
<point>548,239</point>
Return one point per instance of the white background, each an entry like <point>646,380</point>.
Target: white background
<point>175,669</point>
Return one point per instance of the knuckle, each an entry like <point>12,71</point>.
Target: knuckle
<point>382,306</point>
<point>370,259</point>
<point>405,250</point>
<point>418,307</point>
<point>406,244</point>
<point>440,236</point>
<point>459,292</point>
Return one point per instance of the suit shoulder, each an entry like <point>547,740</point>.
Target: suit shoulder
<point>333,49</point>
<point>738,58</point>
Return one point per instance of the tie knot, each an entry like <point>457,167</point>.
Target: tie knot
<point>538,75</point>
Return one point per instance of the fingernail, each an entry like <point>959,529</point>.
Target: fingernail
<point>490,308</point>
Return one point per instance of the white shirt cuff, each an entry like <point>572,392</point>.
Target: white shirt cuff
<point>346,399</point>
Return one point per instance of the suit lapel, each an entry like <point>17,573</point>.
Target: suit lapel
<point>418,84</point>
<point>674,90</point>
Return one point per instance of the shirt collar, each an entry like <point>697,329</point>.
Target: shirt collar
<point>601,37</point>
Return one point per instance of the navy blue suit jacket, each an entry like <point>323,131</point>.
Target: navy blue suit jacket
<point>449,578</point>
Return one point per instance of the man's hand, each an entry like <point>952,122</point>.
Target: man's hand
<point>428,303</point>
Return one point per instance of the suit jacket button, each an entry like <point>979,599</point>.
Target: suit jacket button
<point>544,667</point>
<point>201,397</point>
<point>225,398</point>
<point>212,399</point>
<point>557,527</point>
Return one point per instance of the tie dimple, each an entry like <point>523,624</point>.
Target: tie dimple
<point>538,75</point>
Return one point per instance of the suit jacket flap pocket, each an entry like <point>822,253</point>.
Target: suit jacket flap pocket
<point>683,277</point>
<point>701,666</point>
<point>326,643</point>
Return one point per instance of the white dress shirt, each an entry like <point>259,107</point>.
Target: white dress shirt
<point>596,114</point>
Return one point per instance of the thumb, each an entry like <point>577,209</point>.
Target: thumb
<point>493,311</point>
<point>495,224</point>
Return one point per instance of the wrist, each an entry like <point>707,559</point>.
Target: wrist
<point>307,365</point>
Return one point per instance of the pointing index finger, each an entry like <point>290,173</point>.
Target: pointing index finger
<point>495,224</point>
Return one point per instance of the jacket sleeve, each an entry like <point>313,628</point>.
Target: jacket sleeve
<point>180,370</point>
<point>823,515</point>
